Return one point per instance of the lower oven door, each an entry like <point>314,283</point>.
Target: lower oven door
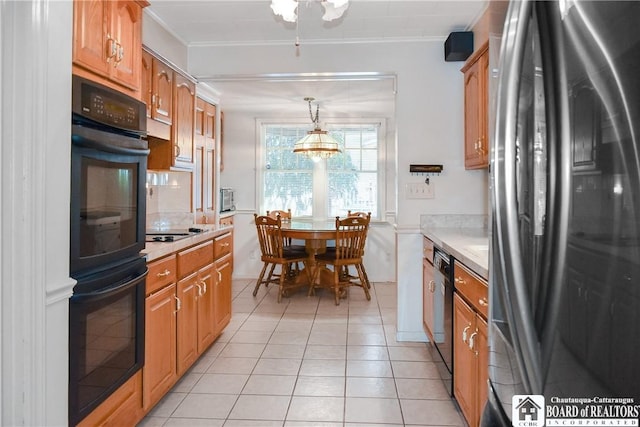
<point>106,335</point>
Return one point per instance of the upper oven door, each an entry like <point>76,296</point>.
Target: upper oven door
<point>108,203</point>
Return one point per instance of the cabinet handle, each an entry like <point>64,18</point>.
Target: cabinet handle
<point>199,289</point>
<point>483,302</point>
<point>460,280</point>
<point>111,48</point>
<point>204,285</point>
<point>165,273</point>
<point>177,150</point>
<point>224,245</point>
<point>159,102</point>
<point>219,276</point>
<point>472,341</point>
<point>178,304</point>
<point>464,333</point>
<point>432,286</point>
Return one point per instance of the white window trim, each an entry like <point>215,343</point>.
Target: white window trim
<point>326,125</point>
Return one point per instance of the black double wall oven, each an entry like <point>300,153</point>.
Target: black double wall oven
<point>108,220</point>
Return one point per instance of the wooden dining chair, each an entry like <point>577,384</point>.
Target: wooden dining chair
<point>351,235</point>
<point>275,252</point>
<point>284,215</point>
<point>364,271</point>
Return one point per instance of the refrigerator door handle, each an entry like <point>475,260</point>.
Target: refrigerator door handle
<point>510,261</point>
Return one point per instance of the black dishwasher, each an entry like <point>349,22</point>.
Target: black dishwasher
<point>442,264</point>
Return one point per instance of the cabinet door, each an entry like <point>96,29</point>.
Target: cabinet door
<point>126,29</point>
<point>187,326</point>
<point>428,289</point>
<point>464,364</point>
<point>222,278</point>
<point>162,82</point>
<point>146,85</point>
<point>199,184</point>
<point>159,372</point>
<point>481,345</point>
<point>200,122</point>
<point>476,99</point>
<point>210,174</point>
<point>206,309</point>
<point>184,124</point>
<point>90,35</point>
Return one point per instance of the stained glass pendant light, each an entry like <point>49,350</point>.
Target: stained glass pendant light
<point>317,144</point>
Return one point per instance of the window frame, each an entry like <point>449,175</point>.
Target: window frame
<point>320,202</point>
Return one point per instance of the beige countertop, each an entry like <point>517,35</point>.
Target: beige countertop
<point>156,250</point>
<point>470,246</point>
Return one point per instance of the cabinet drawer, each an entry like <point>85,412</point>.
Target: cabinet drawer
<point>193,259</point>
<point>161,273</point>
<point>427,249</point>
<point>228,220</point>
<point>222,245</point>
<point>473,288</point>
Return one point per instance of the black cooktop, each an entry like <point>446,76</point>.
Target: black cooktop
<point>171,235</point>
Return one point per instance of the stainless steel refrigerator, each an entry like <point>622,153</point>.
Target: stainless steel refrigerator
<point>565,177</point>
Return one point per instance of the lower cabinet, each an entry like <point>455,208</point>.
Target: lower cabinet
<point>188,305</point>
<point>159,372</point>
<point>222,293</point>
<point>470,344</point>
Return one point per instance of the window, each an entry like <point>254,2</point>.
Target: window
<point>347,181</point>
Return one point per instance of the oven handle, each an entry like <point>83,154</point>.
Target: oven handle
<point>116,289</point>
<point>83,136</point>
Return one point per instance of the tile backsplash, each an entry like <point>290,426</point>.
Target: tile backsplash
<point>168,199</point>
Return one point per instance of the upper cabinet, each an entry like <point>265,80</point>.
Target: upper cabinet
<point>157,87</point>
<point>184,123</point>
<point>476,108</point>
<point>171,114</point>
<point>204,169</point>
<point>107,39</point>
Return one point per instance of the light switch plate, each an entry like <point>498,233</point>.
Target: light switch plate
<point>420,190</point>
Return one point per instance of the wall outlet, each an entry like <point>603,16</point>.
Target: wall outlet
<point>420,190</point>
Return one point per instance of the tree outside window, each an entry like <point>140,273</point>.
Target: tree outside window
<point>349,181</point>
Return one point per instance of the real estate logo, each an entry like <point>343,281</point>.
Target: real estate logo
<point>527,410</point>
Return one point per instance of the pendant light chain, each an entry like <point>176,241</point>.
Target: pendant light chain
<point>316,120</point>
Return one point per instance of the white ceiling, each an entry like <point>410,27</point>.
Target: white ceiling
<point>251,22</point>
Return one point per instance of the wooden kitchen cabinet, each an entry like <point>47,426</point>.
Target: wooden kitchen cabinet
<point>184,96</point>
<point>204,168</point>
<point>223,270</point>
<point>157,93</point>
<point>470,343</point>
<point>107,41</point>
<point>428,288</point>
<point>172,124</point>
<point>159,372</point>
<point>476,109</point>
<point>193,268</point>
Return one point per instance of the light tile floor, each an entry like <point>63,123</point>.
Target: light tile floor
<point>307,362</point>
